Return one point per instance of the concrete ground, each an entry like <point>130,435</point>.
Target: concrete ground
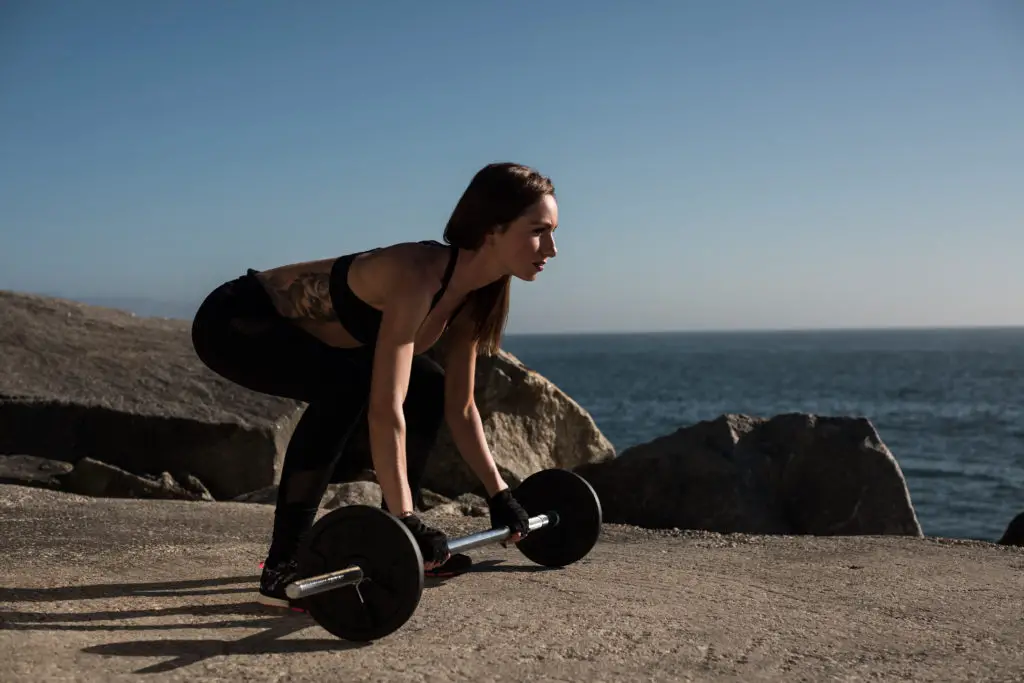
<point>106,590</point>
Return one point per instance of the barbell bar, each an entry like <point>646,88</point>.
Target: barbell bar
<point>361,571</point>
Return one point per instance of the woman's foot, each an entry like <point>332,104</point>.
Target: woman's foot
<point>273,581</point>
<point>456,564</point>
<point>275,577</point>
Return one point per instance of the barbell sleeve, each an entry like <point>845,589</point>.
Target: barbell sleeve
<point>322,583</point>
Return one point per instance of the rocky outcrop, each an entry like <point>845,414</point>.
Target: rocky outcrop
<point>101,480</point>
<point>336,495</point>
<point>1014,534</point>
<point>367,492</point>
<point>791,474</point>
<point>82,381</point>
<point>97,479</point>
<point>28,470</point>
<point>529,422</point>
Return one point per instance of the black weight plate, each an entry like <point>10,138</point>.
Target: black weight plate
<point>392,572</point>
<point>579,517</point>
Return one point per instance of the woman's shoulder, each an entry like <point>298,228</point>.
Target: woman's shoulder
<point>402,266</point>
<point>426,257</point>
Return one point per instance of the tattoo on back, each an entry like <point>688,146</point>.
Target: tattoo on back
<point>307,296</point>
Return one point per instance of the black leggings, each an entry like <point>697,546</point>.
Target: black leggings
<point>238,334</point>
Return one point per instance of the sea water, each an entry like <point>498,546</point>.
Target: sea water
<point>949,404</point>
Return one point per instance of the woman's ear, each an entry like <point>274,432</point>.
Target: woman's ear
<point>498,229</point>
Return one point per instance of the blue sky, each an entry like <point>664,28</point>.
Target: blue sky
<point>719,165</point>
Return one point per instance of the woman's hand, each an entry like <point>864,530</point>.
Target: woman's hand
<point>507,512</point>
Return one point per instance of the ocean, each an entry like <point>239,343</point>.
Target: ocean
<point>949,404</point>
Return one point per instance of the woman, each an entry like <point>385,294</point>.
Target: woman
<point>347,336</point>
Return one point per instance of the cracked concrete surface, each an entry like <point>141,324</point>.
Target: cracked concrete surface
<point>107,590</point>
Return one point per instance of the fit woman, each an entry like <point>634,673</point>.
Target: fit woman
<point>347,336</point>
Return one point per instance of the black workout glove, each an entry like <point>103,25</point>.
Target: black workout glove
<point>432,542</point>
<point>507,512</point>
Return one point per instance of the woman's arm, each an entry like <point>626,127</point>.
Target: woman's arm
<point>407,305</point>
<point>460,409</point>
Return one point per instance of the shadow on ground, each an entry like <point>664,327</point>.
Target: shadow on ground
<point>157,589</point>
<point>187,652</point>
<point>275,624</point>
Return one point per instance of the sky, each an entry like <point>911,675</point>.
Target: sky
<point>718,165</point>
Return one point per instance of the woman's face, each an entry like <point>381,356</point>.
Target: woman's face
<point>529,241</point>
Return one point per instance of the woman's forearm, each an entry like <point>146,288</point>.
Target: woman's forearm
<point>387,448</point>
<point>468,433</point>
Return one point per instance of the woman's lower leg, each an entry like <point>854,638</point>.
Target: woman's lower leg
<point>313,451</point>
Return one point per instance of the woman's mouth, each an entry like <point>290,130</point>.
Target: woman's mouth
<point>539,265</point>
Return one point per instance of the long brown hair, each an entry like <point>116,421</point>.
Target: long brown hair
<point>497,195</point>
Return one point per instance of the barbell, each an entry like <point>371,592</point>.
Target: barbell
<point>361,571</point>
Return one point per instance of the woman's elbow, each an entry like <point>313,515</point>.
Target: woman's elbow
<point>385,416</point>
<point>459,409</point>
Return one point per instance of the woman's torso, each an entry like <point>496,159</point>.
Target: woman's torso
<point>302,293</point>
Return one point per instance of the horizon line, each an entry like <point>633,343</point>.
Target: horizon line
<point>946,327</point>
<point>776,330</point>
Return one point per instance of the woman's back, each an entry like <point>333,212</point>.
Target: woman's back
<point>340,300</point>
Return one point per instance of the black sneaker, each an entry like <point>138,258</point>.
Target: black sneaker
<point>272,584</point>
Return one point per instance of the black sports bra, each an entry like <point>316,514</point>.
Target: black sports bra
<point>360,318</point>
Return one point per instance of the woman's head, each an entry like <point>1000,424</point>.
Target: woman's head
<point>510,211</point>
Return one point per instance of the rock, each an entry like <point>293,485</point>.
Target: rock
<point>191,483</point>
<point>353,493</point>
<point>1014,534</point>
<point>432,500</point>
<point>466,505</point>
<point>28,470</point>
<point>369,493</point>
<point>337,495</point>
<point>79,380</point>
<point>530,425</point>
<point>792,474</point>
<point>472,505</point>
<point>102,480</point>
<point>263,496</point>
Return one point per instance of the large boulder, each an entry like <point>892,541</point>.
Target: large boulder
<point>530,425</point>
<point>82,381</point>
<point>791,474</point>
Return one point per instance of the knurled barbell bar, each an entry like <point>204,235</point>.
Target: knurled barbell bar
<point>362,571</point>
